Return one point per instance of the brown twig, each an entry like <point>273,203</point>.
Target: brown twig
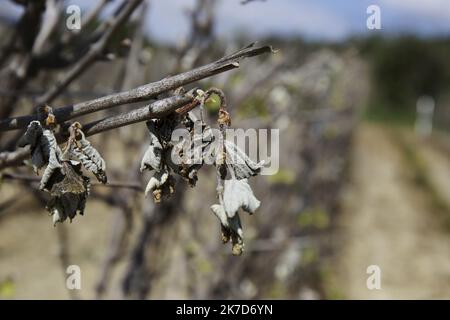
<point>144,92</point>
<point>156,109</point>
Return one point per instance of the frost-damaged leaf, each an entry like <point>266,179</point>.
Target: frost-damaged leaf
<point>237,194</point>
<point>231,229</point>
<point>69,191</point>
<point>68,180</point>
<point>219,211</point>
<point>89,157</point>
<point>163,129</point>
<point>62,177</point>
<point>192,150</point>
<point>152,157</point>
<point>187,171</point>
<point>66,206</point>
<point>243,167</point>
<point>39,148</point>
<point>54,159</point>
<point>157,181</point>
<point>160,185</point>
<point>42,146</point>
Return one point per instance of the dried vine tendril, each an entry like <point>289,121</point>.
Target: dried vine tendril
<point>89,157</point>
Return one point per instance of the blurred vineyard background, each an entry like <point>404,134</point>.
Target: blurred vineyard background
<point>359,183</point>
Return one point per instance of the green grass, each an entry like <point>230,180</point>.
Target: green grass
<point>283,176</point>
<point>315,217</point>
<point>380,113</point>
<point>330,287</point>
<point>253,107</point>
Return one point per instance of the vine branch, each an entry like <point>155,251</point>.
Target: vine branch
<point>144,92</point>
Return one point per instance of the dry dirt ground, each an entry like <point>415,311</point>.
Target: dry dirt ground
<point>30,267</point>
<point>388,220</point>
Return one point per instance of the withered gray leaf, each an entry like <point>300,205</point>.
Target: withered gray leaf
<point>32,135</point>
<point>231,229</point>
<point>157,181</point>
<point>54,158</point>
<point>191,150</point>
<point>69,195</point>
<point>238,194</point>
<point>69,179</point>
<point>90,158</point>
<point>39,144</point>
<point>152,157</point>
<point>243,167</point>
<point>219,211</point>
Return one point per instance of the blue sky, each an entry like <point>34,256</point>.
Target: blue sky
<point>312,19</point>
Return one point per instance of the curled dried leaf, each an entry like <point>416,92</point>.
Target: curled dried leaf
<point>231,229</point>
<point>160,185</point>
<point>219,211</point>
<point>39,146</point>
<point>62,177</point>
<point>89,157</point>
<point>243,167</point>
<point>157,181</point>
<point>69,191</point>
<point>187,170</point>
<point>54,159</point>
<point>238,194</point>
<point>68,179</point>
<point>152,157</point>
<point>192,150</point>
